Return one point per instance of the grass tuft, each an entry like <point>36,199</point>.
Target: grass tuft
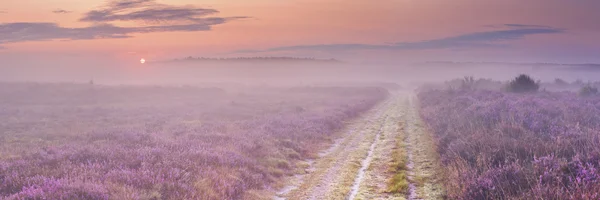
<point>399,181</point>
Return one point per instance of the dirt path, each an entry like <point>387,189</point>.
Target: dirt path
<point>357,165</point>
<point>423,162</point>
<point>377,178</point>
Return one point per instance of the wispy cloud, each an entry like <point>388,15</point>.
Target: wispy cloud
<point>470,40</point>
<point>148,11</point>
<point>61,11</point>
<point>526,26</point>
<point>167,18</point>
<point>20,32</point>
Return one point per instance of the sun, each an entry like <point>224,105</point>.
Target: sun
<point>143,61</point>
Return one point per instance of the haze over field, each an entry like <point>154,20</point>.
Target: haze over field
<point>299,99</point>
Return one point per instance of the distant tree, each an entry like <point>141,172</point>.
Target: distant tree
<point>588,90</point>
<point>559,81</point>
<point>523,83</point>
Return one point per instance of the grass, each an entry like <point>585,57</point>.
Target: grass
<point>345,163</point>
<point>399,181</point>
<point>345,187</point>
<point>349,171</point>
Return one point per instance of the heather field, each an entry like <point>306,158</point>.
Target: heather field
<point>71,141</point>
<point>499,145</point>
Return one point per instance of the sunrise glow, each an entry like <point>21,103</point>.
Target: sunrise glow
<point>299,99</point>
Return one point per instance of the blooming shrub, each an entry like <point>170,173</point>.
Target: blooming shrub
<point>498,145</point>
<point>65,141</point>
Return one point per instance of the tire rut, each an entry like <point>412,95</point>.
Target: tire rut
<point>356,166</point>
<point>423,162</point>
<point>336,171</point>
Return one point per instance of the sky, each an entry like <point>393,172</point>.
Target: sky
<point>364,30</point>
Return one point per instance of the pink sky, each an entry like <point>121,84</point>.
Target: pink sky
<point>538,30</point>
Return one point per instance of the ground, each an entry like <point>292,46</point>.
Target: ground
<point>388,140</point>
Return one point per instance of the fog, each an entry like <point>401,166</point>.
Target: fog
<point>289,100</point>
<point>287,72</point>
<point>296,128</point>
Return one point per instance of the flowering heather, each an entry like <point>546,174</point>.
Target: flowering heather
<point>498,145</point>
<point>66,141</point>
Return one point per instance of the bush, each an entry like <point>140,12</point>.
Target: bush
<point>467,83</point>
<point>560,82</point>
<point>523,83</point>
<point>588,90</point>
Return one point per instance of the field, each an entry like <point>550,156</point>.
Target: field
<point>468,140</point>
<point>497,145</point>
<point>75,141</point>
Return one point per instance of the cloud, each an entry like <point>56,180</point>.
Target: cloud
<point>61,11</point>
<point>480,38</point>
<point>148,11</point>
<point>471,40</point>
<point>168,19</point>
<point>21,32</point>
<point>525,26</point>
<point>516,26</point>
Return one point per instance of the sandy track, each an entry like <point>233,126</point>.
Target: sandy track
<point>423,162</point>
<point>377,176</point>
<point>357,165</point>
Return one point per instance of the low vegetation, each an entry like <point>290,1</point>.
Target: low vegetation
<point>68,141</point>
<point>522,84</point>
<point>399,181</point>
<point>560,82</point>
<point>467,83</point>
<point>588,90</point>
<point>497,145</point>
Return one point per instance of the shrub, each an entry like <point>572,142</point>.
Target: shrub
<point>467,83</point>
<point>588,90</point>
<point>523,83</point>
<point>560,82</point>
